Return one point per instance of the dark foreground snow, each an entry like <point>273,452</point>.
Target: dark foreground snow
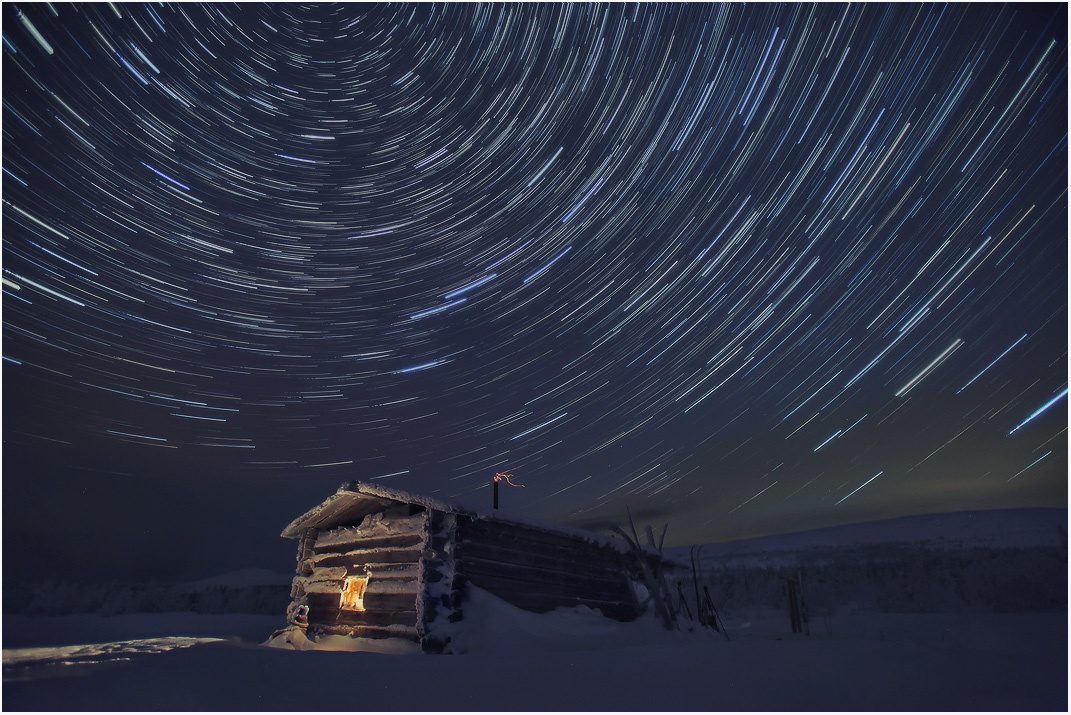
<point>896,624</point>
<point>569,660</point>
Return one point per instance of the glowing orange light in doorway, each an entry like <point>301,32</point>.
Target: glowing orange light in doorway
<point>353,593</point>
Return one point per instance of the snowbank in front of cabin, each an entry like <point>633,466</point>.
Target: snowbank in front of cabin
<point>492,625</point>
<point>294,638</point>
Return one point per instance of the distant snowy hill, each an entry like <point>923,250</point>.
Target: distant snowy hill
<point>250,591</point>
<point>1012,560</point>
<point>1000,528</point>
<point>243,578</point>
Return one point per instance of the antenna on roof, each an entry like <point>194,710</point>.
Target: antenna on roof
<point>499,476</point>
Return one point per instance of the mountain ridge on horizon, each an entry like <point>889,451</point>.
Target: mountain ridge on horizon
<point>1009,528</point>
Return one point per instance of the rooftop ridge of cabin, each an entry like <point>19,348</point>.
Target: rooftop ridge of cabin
<point>354,500</point>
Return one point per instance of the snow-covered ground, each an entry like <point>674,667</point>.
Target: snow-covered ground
<point>570,659</point>
<point>862,661</point>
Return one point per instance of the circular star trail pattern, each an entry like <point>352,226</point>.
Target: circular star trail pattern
<point>737,268</point>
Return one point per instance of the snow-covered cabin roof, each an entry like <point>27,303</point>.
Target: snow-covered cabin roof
<point>355,500</point>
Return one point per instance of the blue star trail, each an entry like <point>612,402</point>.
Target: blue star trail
<point>722,264</point>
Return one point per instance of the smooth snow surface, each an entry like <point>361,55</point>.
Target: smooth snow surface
<point>27,662</point>
<point>573,659</point>
<point>861,661</point>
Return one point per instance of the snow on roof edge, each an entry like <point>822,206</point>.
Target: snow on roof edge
<point>401,495</point>
<point>293,530</point>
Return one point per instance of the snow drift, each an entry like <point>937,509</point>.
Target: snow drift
<point>855,657</point>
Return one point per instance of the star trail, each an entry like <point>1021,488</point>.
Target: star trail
<point>725,265</point>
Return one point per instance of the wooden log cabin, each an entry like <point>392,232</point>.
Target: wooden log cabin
<point>375,562</point>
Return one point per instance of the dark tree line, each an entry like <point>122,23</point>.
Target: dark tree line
<point>897,579</point>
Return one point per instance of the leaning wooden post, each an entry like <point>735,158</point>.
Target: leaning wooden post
<point>656,595</point>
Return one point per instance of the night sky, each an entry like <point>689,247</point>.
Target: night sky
<point>741,269</point>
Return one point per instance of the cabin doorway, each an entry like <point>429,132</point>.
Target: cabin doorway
<point>353,589</point>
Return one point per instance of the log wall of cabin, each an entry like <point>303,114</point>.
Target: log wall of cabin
<point>386,547</point>
<point>440,603</point>
<point>538,570</point>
